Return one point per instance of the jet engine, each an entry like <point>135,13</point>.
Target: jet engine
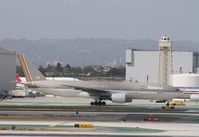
<point>120,98</point>
<point>194,97</point>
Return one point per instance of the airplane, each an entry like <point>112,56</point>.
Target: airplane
<point>18,79</point>
<point>100,91</point>
<point>19,82</point>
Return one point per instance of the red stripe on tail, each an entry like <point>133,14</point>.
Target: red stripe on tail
<point>18,80</point>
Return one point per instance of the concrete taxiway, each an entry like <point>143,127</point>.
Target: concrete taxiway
<point>56,116</point>
<point>166,117</point>
<point>102,128</point>
<point>71,102</point>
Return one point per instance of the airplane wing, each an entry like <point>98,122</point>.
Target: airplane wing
<point>93,92</point>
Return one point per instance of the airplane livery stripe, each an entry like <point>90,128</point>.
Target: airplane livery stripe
<point>24,67</point>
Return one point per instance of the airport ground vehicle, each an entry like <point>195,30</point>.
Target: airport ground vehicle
<point>177,103</point>
<point>151,119</point>
<point>168,107</point>
<point>161,101</point>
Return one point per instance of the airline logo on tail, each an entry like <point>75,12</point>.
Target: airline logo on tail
<point>18,80</point>
<point>30,71</point>
<point>24,67</point>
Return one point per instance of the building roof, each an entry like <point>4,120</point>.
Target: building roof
<point>4,51</point>
<point>197,52</point>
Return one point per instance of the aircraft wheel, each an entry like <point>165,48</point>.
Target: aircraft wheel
<point>99,103</point>
<point>92,103</point>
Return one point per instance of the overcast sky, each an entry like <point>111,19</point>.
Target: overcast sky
<point>121,19</point>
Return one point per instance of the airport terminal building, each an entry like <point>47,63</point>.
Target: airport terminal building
<point>7,69</point>
<point>142,65</point>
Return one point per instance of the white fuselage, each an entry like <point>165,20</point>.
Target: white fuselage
<point>59,88</point>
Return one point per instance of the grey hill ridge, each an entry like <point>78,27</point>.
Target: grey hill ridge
<point>85,51</point>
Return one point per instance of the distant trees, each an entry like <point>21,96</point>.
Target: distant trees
<point>59,70</point>
<point>118,72</point>
<point>67,68</point>
<point>42,69</point>
<point>59,67</point>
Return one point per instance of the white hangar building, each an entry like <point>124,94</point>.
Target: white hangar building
<point>142,66</point>
<point>7,69</point>
<point>186,80</point>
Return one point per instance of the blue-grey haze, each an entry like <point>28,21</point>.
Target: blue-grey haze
<point>85,51</point>
<point>118,19</point>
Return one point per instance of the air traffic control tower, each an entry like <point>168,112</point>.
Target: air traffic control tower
<point>165,65</point>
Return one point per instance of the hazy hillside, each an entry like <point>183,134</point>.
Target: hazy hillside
<point>84,51</point>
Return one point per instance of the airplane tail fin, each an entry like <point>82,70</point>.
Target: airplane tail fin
<point>18,80</point>
<point>30,71</point>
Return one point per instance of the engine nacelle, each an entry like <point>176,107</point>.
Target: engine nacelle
<point>120,98</point>
<point>194,97</point>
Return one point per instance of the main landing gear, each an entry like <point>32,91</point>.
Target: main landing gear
<point>98,103</point>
